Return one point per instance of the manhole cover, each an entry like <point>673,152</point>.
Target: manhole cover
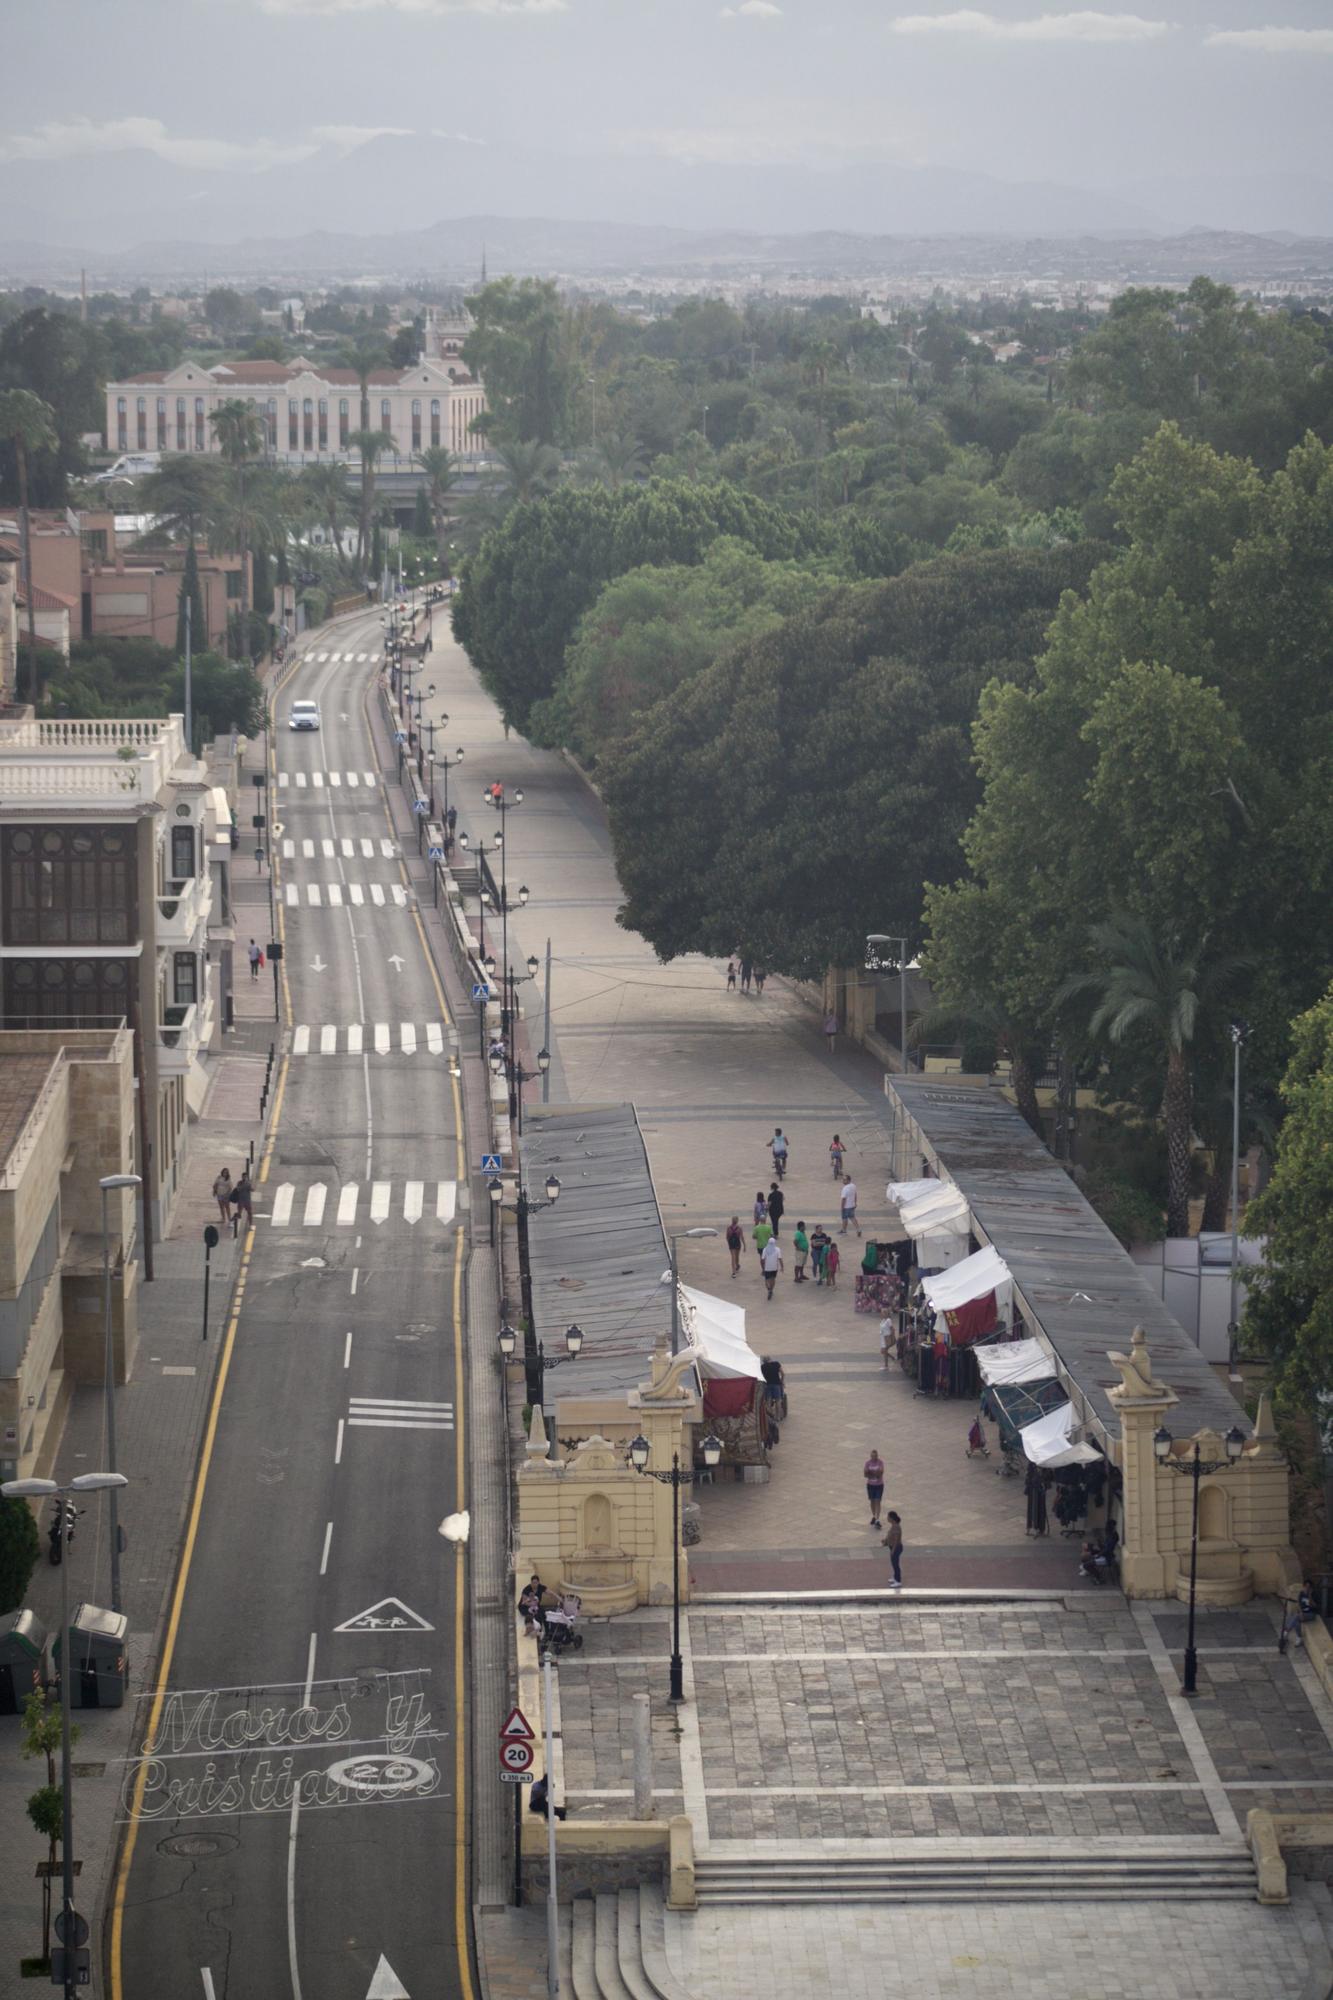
<point>570,1284</point>
<point>193,1846</point>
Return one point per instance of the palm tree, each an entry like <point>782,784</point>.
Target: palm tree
<point>367,353</point>
<point>250,514</point>
<point>240,522</point>
<point>528,469</point>
<point>370,444</point>
<point>240,435</point>
<point>30,426</point>
<point>1161,988</point>
<point>182,492</point>
<point>441,470</point>
<point>324,489</point>
<point>621,458</point>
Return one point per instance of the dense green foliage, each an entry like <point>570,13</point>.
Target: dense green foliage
<point>19,1548</point>
<point>137,677</point>
<point>800,791</point>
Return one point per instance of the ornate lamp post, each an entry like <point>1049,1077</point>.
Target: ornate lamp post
<point>524,1206</point>
<point>640,1452</point>
<point>1193,1467</point>
<point>508,1340</point>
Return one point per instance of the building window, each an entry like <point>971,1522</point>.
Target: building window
<point>93,543</point>
<point>271,422</point>
<point>122,436</point>
<point>307,425</point>
<point>386,417</point>
<point>200,436</point>
<point>435,420</point>
<point>293,424</point>
<point>161,423</point>
<point>416,424</point>
<point>234,585</point>
<point>141,422</point>
<point>68,885</point>
<point>182,438</point>
<point>182,853</point>
<point>323,423</point>
<point>42,992</point>
<point>185,978</point>
<point>343,424</point>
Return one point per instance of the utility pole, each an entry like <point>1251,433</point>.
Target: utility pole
<point>546,1035</point>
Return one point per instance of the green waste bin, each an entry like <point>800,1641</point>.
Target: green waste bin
<point>22,1659</point>
<point>101,1657</point>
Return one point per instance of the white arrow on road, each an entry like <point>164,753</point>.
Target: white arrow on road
<point>386,1985</point>
<point>317,964</point>
<point>394,959</point>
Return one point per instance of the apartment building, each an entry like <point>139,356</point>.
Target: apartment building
<point>308,410</point>
<point>66,1119</point>
<point>90,586</point>
<point>109,846</point>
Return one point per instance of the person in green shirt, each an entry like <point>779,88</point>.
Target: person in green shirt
<point>801,1247</point>
<point>760,1234</point>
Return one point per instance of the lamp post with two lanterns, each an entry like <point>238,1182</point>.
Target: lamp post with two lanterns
<point>640,1451</point>
<point>508,1340</point>
<point>1193,1467</point>
<point>524,1206</point>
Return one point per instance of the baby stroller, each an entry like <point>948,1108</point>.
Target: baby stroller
<point>977,1446</point>
<point>561,1635</point>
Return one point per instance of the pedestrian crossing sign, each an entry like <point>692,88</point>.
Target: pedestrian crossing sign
<point>490,1163</point>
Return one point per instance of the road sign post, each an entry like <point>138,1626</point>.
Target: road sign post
<point>516,1739</point>
<point>210,1244</point>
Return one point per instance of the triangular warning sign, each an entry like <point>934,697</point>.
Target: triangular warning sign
<point>516,1727</point>
<point>389,1615</point>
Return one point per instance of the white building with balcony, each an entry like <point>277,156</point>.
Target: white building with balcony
<point>108,871</point>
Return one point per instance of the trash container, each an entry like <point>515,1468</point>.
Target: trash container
<point>22,1655</point>
<point>101,1659</point>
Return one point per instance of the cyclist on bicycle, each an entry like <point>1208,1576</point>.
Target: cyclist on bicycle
<point>779,1151</point>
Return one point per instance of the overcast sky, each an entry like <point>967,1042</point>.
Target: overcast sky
<point>1095,96</point>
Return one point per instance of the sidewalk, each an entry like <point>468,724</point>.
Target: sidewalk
<point>712,1073</point>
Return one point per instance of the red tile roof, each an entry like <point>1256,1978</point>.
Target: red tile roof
<point>45,600</point>
<point>252,371</point>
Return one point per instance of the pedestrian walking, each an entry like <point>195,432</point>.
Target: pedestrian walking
<point>888,1338</point>
<point>831,1029</point>
<point>242,1199</point>
<point>819,1248</point>
<point>873,1473</point>
<point>893,1542</point>
<point>759,977</point>
<point>847,1203</point>
<point>760,1206</point>
<point>800,1244</point>
<point>451,820</point>
<point>731,975</point>
<point>770,1263</point>
<point>761,1234</point>
<point>777,1204</point>
<point>735,1243</point>
<point>256,959</point>
<point>747,973</point>
<point>832,1259</point>
<point>222,1194</point>
<point>837,1153</point>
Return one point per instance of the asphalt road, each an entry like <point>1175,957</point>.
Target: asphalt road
<point>299,1817</point>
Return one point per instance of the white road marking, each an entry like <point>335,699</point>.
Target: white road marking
<point>293,893</point>
<point>347,846</point>
<point>327,848</point>
<point>347,1349</point>
<point>301,781</point>
<point>282,778</point>
<point>282,1205</point>
<point>328,1040</point>
<point>321,658</point>
<point>300,1041</point>
<point>324,1559</point>
<point>314,1205</point>
<point>289,850</point>
<point>379,1201</point>
<point>312,894</point>
<point>335,895</point>
<point>209,1993</point>
<point>381,1038</point>
<point>400,895</point>
<point>358,894</point>
<point>335,777</point>
<point>373,1413</point>
<point>338,1448</point>
<point>388,848</point>
<point>413,1197</point>
<point>377,894</point>
<point>353,778</point>
<point>307,850</point>
<point>435,1038</point>
<point>317,779</point>
<point>389,1615</point>
<point>347,1201</point>
<point>356,1273</point>
<point>446,1201</point>
<point>354,1039</point>
<point>370,778</point>
<point>368,848</point>
<point>409,1038</point>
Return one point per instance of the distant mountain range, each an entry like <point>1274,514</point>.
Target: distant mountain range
<point>132,212</point>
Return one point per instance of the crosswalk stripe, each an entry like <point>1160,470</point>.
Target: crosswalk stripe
<point>354,1039</point>
<point>335,777</point>
<point>435,1038</point>
<point>307,850</point>
<point>282,1204</point>
<point>400,1423</point>
<point>388,848</point>
<point>413,1197</point>
<point>412,1039</point>
<point>368,849</point>
<point>289,850</point>
<point>361,659</point>
<point>370,777</point>
<point>379,1201</point>
<point>353,778</point>
<point>326,848</point>
<point>334,659</point>
<point>409,1039</point>
<point>293,893</point>
<point>335,894</point>
<point>328,1041</point>
<point>358,893</point>
<point>317,779</point>
<point>312,893</point>
<point>347,1201</point>
<point>377,894</point>
<point>301,781</point>
<point>400,895</point>
<point>314,1205</point>
<point>445,1201</point>
<point>282,777</point>
<point>347,846</point>
<point>398,1404</point>
<point>322,658</point>
<point>300,1041</point>
<point>381,1038</point>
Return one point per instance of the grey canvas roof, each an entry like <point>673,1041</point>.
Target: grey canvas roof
<point>599,1254</point>
<point>1084,1292</point>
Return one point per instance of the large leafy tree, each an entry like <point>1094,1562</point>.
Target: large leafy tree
<point>441,470</point>
<point>56,358</point>
<point>540,570</point>
<point>29,426</point>
<point>519,347</point>
<point>798,793</point>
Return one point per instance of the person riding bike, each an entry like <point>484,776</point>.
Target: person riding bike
<point>779,1151</point>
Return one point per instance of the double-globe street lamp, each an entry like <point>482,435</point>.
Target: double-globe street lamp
<point>883,937</point>
<point>505,1063</point>
<point>1193,1467</point>
<point>640,1451</point>
<point>51,1489</point>
<point>508,1340</point>
<point>524,1206</point>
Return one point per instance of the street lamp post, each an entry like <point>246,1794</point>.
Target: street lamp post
<point>1239,1033</point>
<point>639,1453</point>
<point>51,1489</point>
<point>881,937</point>
<point>524,1206</point>
<point>508,1340</point>
<point>672,1241</point>
<point>504,1065</point>
<point>109,1184</point>
<point>448,764</point>
<point>1193,1468</point>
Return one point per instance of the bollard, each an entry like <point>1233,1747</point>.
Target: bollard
<point>642,1742</point>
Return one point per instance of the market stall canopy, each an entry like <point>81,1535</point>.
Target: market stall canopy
<point>984,1271</point>
<point>1046,1442</point>
<point>901,1191</point>
<point>937,1221</point>
<point>1014,1361</point>
<point>716,1331</point>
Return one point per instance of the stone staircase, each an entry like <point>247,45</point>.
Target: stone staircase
<point>613,1947</point>
<point>973,1872</point>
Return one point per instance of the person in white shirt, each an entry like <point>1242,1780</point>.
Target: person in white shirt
<point>770,1263</point>
<point>848,1205</point>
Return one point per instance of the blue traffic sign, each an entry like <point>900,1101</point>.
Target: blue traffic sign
<point>435,853</point>
<point>400,736</point>
<point>480,992</point>
<point>490,1163</point>
<point>419,806</point>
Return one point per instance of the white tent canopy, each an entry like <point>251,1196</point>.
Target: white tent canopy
<point>1011,1362</point>
<point>901,1191</point>
<point>937,1221</point>
<point>1046,1442</point>
<point>716,1330</point>
<point>984,1271</point>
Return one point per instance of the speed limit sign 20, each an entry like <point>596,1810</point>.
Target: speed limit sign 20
<point>515,1756</point>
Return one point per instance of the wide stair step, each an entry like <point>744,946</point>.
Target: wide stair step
<point>1204,1874</point>
<point>613,1947</point>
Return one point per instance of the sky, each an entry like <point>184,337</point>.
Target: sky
<point>1104,97</point>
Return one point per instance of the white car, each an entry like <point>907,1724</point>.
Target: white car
<point>132,465</point>
<point>303,715</point>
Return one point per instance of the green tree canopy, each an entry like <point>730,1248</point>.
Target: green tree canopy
<point>518,346</point>
<point>19,1548</point>
<point>799,792</point>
